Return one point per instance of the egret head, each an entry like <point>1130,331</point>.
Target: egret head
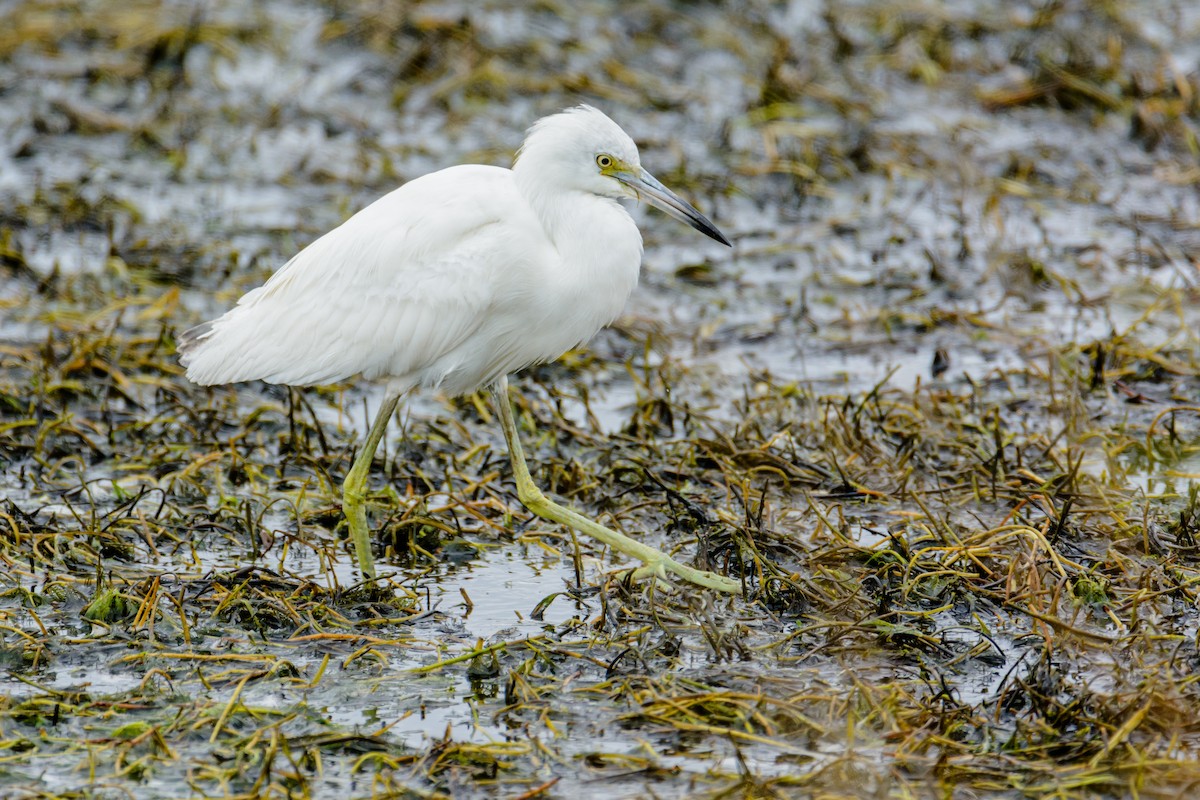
<point>582,149</point>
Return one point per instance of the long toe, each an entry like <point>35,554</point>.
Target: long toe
<point>655,569</point>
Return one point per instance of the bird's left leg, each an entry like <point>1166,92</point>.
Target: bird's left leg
<point>655,562</point>
<point>354,488</point>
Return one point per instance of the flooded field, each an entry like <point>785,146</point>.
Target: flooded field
<point>938,410</point>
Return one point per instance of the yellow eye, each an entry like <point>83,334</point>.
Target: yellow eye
<point>604,162</point>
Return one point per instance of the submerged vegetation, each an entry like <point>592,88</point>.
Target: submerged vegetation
<point>937,411</point>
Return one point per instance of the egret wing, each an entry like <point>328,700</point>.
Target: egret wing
<point>392,291</point>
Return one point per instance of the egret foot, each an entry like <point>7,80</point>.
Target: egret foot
<point>655,562</point>
<point>354,489</point>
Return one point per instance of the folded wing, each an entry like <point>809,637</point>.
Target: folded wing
<point>393,291</point>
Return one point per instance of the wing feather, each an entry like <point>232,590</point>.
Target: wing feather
<point>392,291</point>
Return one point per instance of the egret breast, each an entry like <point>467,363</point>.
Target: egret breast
<point>552,295</point>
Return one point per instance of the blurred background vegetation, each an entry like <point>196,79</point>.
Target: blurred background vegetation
<point>937,408</point>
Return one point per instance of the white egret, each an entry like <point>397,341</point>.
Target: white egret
<point>453,281</point>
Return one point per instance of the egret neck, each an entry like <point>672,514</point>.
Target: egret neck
<point>596,238</point>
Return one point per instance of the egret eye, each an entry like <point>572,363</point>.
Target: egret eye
<point>604,162</point>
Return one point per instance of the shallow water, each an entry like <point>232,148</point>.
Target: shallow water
<point>889,214</point>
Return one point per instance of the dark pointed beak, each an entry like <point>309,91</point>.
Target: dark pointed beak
<point>648,187</point>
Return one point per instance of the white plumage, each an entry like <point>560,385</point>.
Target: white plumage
<point>453,280</point>
<point>450,281</point>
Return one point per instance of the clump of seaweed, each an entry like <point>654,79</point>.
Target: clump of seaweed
<point>936,413</point>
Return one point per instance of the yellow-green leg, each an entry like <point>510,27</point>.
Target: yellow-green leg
<point>354,489</point>
<point>655,563</point>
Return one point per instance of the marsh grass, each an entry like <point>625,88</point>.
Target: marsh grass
<point>992,584</point>
<point>976,578</point>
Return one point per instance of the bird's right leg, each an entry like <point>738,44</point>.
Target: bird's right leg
<point>354,488</point>
<point>655,563</point>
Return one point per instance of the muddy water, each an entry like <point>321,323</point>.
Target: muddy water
<point>887,212</point>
